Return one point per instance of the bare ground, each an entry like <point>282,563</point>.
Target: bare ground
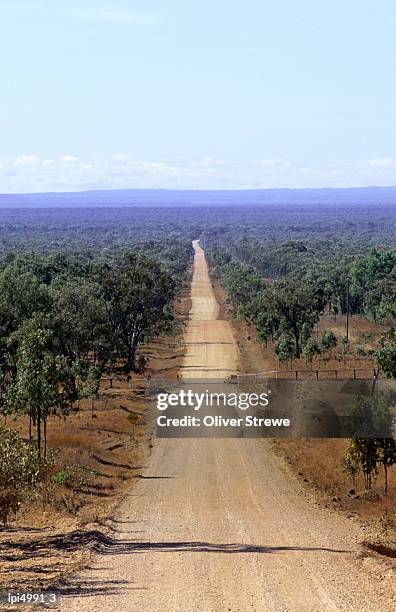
<point>221,524</point>
<point>318,462</point>
<point>53,535</point>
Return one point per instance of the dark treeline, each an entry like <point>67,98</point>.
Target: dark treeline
<point>282,271</point>
<point>101,231</point>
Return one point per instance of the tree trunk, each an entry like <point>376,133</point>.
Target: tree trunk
<point>375,381</point>
<point>132,350</point>
<point>297,341</point>
<point>132,355</point>
<point>39,434</point>
<point>45,437</point>
<point>386,478</point>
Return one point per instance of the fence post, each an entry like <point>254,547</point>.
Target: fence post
<point>296,374</point>
<point>317,374</point>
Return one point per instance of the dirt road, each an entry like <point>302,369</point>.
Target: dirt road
<point>211,351</point>
<point>219,525</point>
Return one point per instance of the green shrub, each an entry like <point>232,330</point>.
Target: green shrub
<point>61,477</point>
<point>21,470</point>
<point>329,340</point>
<point>311,349</point>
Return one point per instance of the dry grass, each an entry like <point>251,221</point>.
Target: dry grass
<point>319,463</point>
<point>103,450</point>
<point>257,357</point>
<point>262,358</point>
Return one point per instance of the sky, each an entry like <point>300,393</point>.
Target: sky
<point>196,94</point>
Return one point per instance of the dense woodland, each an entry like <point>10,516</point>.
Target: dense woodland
<point>282,265</point>
<point>82,289</point>
<point>67,316</point>
<point>283,269</point>
<point>102,231</point>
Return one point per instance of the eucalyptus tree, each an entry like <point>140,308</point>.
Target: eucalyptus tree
<point>295,308</point>
<point>36,387</point>
<point>137,297</point>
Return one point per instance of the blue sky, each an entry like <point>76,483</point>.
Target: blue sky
<point>197,94</point>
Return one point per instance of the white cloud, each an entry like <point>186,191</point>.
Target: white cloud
<point>29,173</point>
<point>273,163</point>
<point>120,157</point>
<point>68,158</point>
<point>386,163</point>
<point>27,160</point>
<point>119,14</point>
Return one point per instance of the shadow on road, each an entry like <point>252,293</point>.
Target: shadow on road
<point>50,547</point>
<point>107,545</point>
<point>142,477</point>
<point>125,547</point>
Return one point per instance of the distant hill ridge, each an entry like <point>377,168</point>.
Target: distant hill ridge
<point>163,197</point>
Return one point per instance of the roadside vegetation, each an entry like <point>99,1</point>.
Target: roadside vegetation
<point>65,321</point>
<point>88,295</point>
<point>319,291</point>
<point>287,309</point>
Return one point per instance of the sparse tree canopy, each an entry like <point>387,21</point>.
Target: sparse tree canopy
<point>36,388</point>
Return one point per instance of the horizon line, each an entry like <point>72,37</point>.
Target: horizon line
<point>197,189</point>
